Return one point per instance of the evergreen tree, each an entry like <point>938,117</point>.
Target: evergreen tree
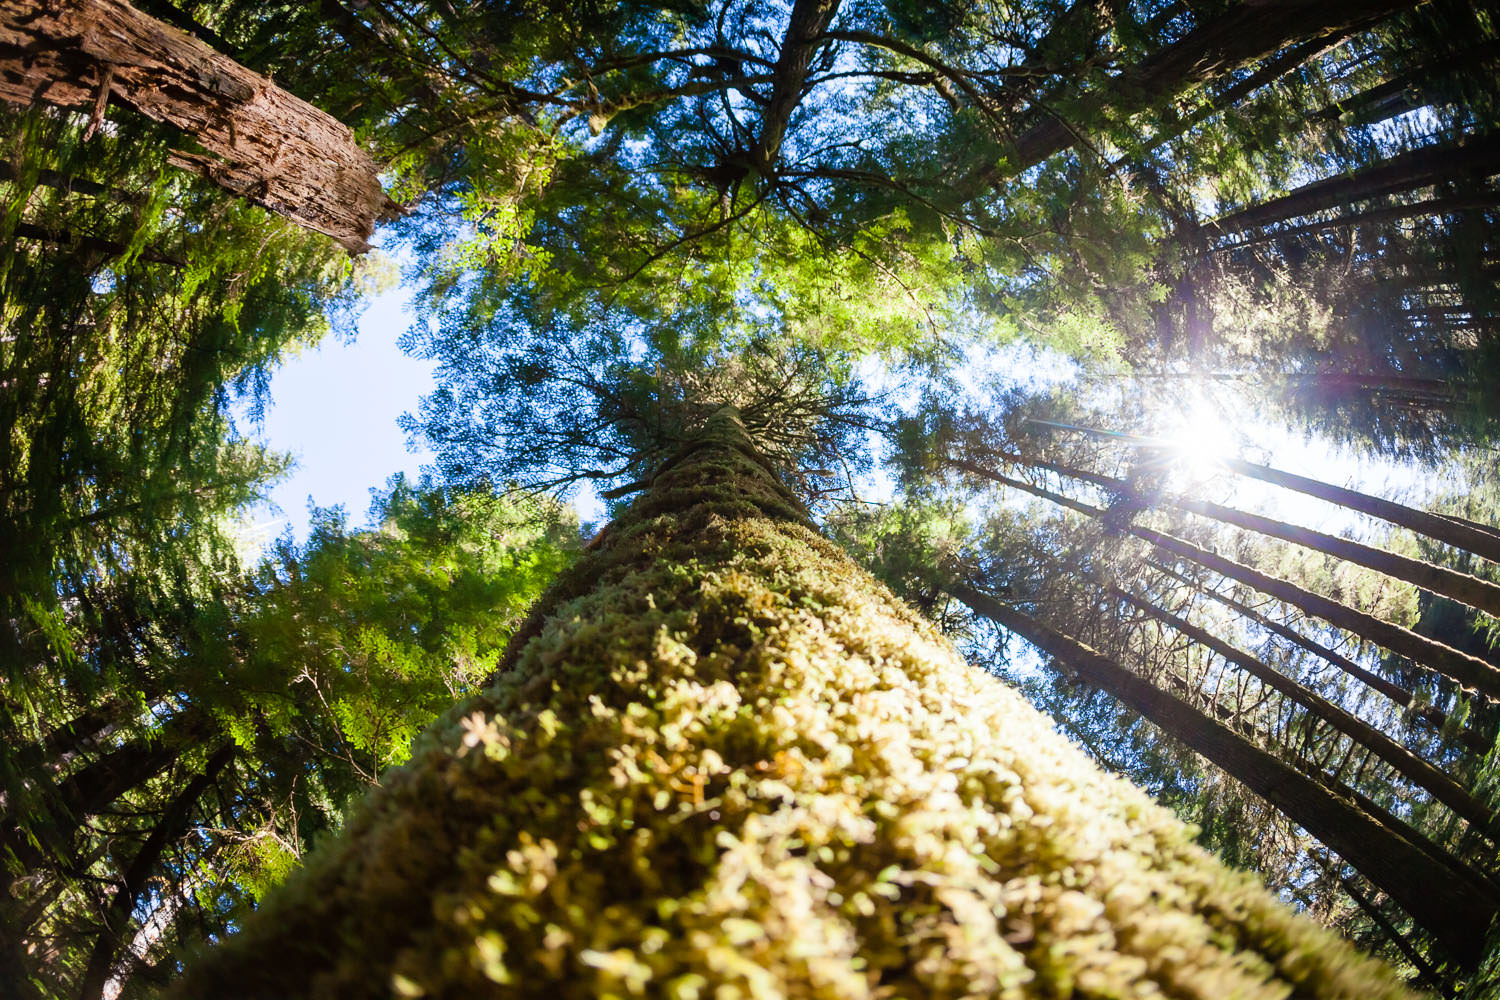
<point>769,776</point>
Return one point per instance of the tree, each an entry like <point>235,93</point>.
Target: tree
<point>267,710</point>
<point>768,774</point>
<point>261,143</point>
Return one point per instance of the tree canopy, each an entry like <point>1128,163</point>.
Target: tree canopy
<point>1091,327</point>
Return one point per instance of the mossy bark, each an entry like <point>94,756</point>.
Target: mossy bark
<point>727,763</point>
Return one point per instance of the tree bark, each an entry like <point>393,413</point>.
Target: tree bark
<point>809,19</point>
<point>1455,912</point>
<point>1247,33</point>
<point>1430,714</point>
<point>1470,538</point>
<point>719,739</point>
<point>263,144</point>
<point>1476,157</point>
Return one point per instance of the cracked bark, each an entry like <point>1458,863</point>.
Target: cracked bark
<point>260,142</point>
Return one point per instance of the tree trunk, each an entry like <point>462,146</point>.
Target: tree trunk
<point>1472,591</point>
<point>1246,33</point>
<point>1465,670</point>
<point>1476,157</point>
<point>1481,540</point>
<point>1455,912</point>
<point>1430,714</point>
<point>1477,539</point>
<point>264,144</point>
<point>805,27</point>
<point>1405,763</point>
<point>172,824</point>
<point>1477,593</point>
<point>726,762</point>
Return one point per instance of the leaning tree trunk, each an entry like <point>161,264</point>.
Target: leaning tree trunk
<point>1240,36</point>
<point>1479,539</point>
<point>1403,761</point>
<point>1456,911</point>
<point>1478,157</point>
<point>1465,588</point>
<point>1452,531</point>
<point>117,916</point>
<point>727,762</point>
<point>1435,717</point>
<point>263,144</point>
<point>1467,671</point>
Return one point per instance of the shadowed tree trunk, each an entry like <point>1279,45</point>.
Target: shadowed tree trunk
<point>1407,764</point>
<point>726,762</point>
<point>1242,35</point>
<point>1460,534</point>
<point>1477,593</point>
<point>1479,539</point>
<point>1468,671</point>
<point>262,143</point>
<point>1476,157</point>
<point>805,27</point>
<point>1454,910</point>
<point>117,918</point>
<point>1430,714</point>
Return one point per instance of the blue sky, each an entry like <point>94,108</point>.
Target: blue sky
<point>334,408</point>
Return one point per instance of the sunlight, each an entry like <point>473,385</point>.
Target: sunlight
<point>1200,438</point>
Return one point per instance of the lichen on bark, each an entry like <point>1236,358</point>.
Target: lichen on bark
<point>727,763</point>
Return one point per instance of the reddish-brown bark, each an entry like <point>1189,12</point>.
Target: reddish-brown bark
<point>261,143</point>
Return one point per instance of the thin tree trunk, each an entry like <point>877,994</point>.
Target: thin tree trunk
<point>1453,911</point>
<point>1472,591</point>
<point>1389,931</point>
<point>1405,763</point>
<point>1467,671</point>
<point>117,917</point>
<point>1469,590</point>
<point>1416,209</point>
<point>1477,157</point>
<point>717,741</point>
<point>264,144</point>
<point>1430,714</point>
<point>1470,536</point>
<point>1245,34</point>
<point>808,20</point>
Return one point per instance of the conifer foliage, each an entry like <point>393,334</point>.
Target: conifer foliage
<point>749,270</point>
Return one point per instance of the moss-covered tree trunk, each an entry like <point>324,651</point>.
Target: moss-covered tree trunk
<point>725,762</point>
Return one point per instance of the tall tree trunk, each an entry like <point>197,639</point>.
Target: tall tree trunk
<point>1405,763</point>
<point>171,825</point>
<point>725,761</point>
<point>1477,157</point>
<point>805,27</point>
<point>1244,34</point>
<point>1464,588</point>
<point>264,144</point>
<point>1465,670</point>
<point>1456,912</point>
<point>1430,714</point>
<point>1481,540</point>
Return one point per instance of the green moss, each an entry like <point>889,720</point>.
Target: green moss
<point>728,764</point>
